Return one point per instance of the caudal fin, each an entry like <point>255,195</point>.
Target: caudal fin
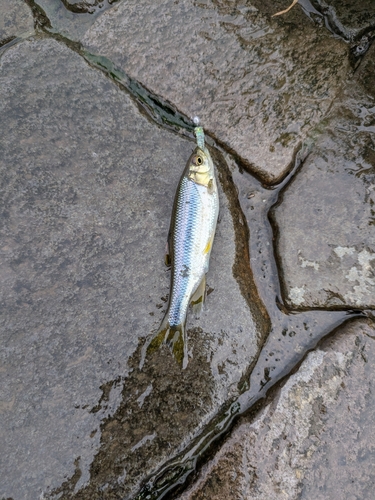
<point>174,337</point>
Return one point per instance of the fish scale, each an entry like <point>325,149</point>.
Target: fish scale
<point>190,239</point>
<point>189,267</point>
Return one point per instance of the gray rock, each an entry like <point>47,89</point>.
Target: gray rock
<point>15,20</point>
<point>258,84</point>
<point>346,18</point>
<point>87,185</point>
<point>314,440</point>
<point>326,243</point>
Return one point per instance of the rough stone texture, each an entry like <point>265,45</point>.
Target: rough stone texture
<point>315,440</point>
<point>326,220</point>
<point>347,18</point>
<point>87,185</point>
<point>258,84</point>
<point>15,19</point>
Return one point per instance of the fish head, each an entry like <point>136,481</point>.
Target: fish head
<point>200,168</point>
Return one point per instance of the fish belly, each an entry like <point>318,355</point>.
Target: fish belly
<point>193,229</point>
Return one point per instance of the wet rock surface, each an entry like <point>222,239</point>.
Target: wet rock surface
<point>258,85</point>
<point>348,19</point>
<point>87,189</point>
<point>15,20</point>
<point>314,440</point>
<point>90,159</point>
<point>326,247</point>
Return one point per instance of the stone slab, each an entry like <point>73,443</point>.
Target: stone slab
<point>87,186</point>
<point>15,19</point>
<point>258,84</point>
<point>314,440</point>
<point>326,237</point>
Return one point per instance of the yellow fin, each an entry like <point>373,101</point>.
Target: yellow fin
<point>208,247</point>
<point>198,297</point>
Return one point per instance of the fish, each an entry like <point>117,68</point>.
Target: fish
<point>189,244</point>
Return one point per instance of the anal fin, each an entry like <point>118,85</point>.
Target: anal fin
<point>208,247</point>
<point>167,257</point>
<point>198,297</point>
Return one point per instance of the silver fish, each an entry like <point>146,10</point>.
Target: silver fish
<point>191,234</point>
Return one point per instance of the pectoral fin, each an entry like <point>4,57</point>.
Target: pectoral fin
<point>167,258</point>
<point>208,247</point>
<point>198,298</point>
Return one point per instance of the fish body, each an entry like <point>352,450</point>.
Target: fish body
<point>192,230</point>
<point>191,234</point>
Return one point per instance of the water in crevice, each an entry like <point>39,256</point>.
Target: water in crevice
<point>360,39</point>
<point>70,19</point>
<point>159,110</point>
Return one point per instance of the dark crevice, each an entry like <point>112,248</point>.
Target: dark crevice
<point>262,238</point>
<point>242,271</point>
<point>7,41</point>
<point>40,18</point>
<point>359,39</point>
<point>243,163</point>
<point>250,415</point>
<point>164,113</point>
<point>154,107</point>
<point>84,7</point>
<point>336,27</point>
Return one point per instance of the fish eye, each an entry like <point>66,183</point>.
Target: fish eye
<point>197,160</point>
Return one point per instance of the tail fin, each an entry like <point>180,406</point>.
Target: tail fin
<point>174,337</point>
